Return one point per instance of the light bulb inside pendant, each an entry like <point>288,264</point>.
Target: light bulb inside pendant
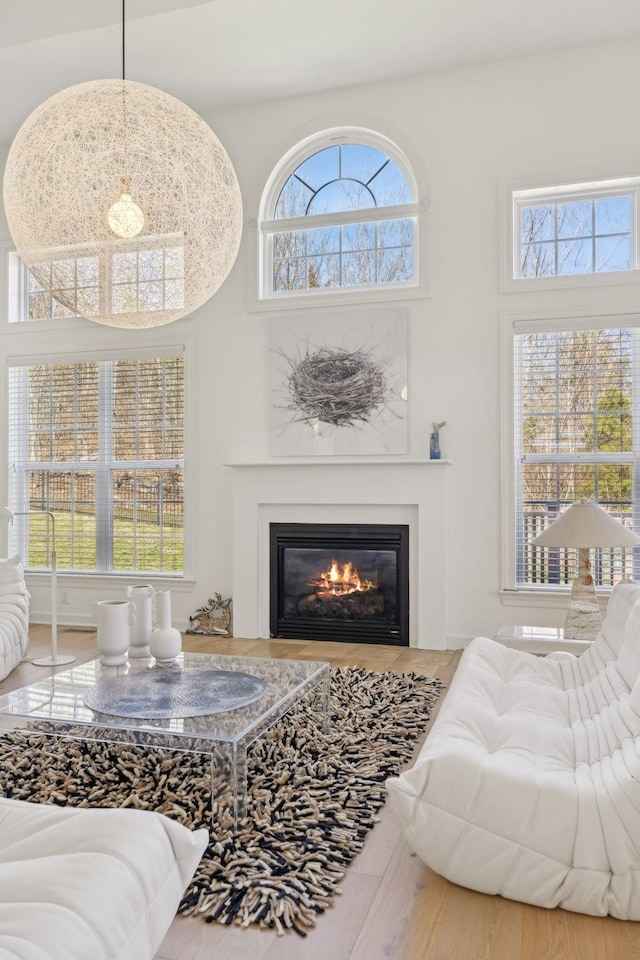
<point>125,217</point>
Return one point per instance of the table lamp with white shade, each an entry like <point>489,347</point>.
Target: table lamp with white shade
<point>582,526</point>
<point>55,659</point>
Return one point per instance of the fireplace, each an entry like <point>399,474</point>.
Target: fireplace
<point>347,582</point>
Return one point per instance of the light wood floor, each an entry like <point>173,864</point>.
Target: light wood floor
<point>392,906</point>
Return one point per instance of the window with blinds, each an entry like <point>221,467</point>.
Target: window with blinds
<point>577,417</point>
<point>100,445</point>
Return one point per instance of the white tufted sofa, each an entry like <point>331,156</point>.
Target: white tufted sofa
<point>14,615</point>
<point>90,884</point>
<point>528,785</point>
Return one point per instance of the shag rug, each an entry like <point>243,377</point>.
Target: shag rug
<point>313,797</point>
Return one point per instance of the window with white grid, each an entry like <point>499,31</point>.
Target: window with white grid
<point>341,213</point>
<point>576,437</point>
<point>100,445</point>
<point>565,232</point>
<point>130,277</point>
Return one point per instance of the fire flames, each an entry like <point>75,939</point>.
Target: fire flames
<point>340,580</point>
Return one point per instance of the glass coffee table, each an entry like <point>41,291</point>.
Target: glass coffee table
<point>56,707</point>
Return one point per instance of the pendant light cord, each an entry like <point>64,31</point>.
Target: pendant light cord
<point>125,164</point>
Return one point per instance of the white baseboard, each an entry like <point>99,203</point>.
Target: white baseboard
<point>458,641</point>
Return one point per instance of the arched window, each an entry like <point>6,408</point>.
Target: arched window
<point>340,213</point>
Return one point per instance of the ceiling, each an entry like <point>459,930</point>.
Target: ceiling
<point>223,52</point>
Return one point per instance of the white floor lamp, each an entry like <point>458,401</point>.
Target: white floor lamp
<point>56,659</point>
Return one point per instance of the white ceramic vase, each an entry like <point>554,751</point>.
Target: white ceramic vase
<point>165,641</point>
<point>142,598</point>
<point>114,618</point>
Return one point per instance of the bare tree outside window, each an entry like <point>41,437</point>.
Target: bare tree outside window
<point>575,419</point>
<point>576,237</point>
<point>576,396</point>
<point>342,179</point>
<point>100,445</point>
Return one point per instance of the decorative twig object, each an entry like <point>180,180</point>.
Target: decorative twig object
<point>213,619</point>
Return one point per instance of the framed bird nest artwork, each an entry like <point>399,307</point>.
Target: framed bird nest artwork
<point>339,384</point>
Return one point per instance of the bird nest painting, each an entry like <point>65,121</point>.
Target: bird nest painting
<point>339,385</point>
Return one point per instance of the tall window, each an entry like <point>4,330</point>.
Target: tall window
<point>99,444</point>
<point>340,215</point>
<point>577,436</point>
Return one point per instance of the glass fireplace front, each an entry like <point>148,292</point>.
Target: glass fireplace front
<point>340,582</point>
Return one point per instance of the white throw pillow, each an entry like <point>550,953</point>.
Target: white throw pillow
<point>11,570</point>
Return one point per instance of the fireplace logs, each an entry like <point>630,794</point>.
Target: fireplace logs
<point>350,606</point>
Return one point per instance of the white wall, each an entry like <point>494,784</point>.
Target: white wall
<point>566,115</point>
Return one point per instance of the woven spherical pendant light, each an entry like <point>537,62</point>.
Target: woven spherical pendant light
<point>123,203</point>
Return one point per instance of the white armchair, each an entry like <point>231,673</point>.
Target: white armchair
<point>90,883</point>
<point>14,615</point>
<point>528,785</point>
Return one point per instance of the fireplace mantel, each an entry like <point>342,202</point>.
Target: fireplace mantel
<point>328,490</point>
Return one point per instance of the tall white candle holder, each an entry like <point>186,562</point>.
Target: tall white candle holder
<point>165,641</point>
<point>142,598</point>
